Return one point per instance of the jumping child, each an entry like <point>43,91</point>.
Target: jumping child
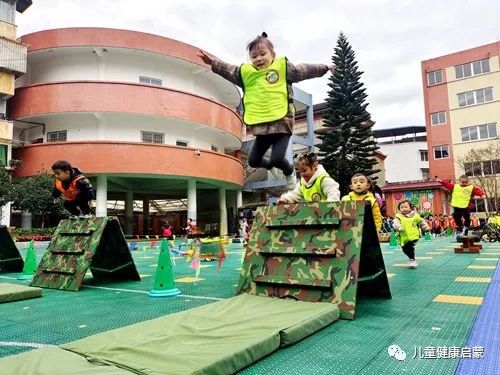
<point>315,183</point>
<point>268,107</point>
<point>74,187</point>
<point>407,223</point>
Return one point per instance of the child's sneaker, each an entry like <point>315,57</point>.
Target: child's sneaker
<point>291,181</point>
<point>274,172</point>
<point>412,263</point>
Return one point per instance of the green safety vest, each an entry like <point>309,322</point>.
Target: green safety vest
<point>460,197</point>
<point>410,226</point>
<point>314,193</point>
<point>265,92</point>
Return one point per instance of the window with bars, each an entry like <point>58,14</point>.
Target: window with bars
<point>435,77</point>
<point>475,97</point>
<point>441,152</point>
<point>181,143</point>
<point>152,137</point>
<point>424,155</point>
<point>215,148</point>
<point>150,81</point>
<point>482,168</point>
<point>478,132</point>
<point>472,68</point>
<point>58,136</point>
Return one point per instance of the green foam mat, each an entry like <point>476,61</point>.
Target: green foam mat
<point>14,292</point>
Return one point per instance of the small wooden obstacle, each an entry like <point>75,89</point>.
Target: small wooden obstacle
<point>468,245</point>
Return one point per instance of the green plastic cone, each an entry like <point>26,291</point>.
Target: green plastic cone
<point>164,285</point>
<point>427,236</point>
<point>449,232</point>
<point>30,264</point>
<point>393,241</point>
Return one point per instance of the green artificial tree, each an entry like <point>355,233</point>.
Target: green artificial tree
<point>347,143</point>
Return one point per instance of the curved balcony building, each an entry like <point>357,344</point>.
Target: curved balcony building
<point>139,114</point>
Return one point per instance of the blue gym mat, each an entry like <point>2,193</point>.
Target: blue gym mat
<point>485,334</point>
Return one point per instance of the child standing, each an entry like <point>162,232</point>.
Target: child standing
<point>461,201</point>
<point>407,223</point>
<point>268,107</point>
<point>315,184</point>
<point>74,187</point>
<point>360,186</point>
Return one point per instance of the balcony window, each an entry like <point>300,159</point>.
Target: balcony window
<point>181,143</point>
<point>152,137</point>
<point>150,81</point>
<point>58,136</point>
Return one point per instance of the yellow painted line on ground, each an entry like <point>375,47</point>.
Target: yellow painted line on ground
<point>389,275</point>
<point>400,265</point>
<point>466,279</point>
<point>388,252</point>
<point>423,257</point>
<point>205,266</point>
<point>489,253</point>
<point>465,300</point>
<point>435,252</point>
<point>146,257</point>
<point>188,279</point>
<point>144,275</point>
<point>474,267</point>
<point>238,269</point>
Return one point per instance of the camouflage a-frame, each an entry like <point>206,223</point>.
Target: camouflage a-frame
<point>10,259</point>
<point>80,244</point>
<point>317,252</point>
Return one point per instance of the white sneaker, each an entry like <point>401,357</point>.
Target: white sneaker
<point>291,181</point>
<point>274,172</point>
<point>412,263</point>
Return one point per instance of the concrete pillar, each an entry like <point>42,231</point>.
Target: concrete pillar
<point>223,212</point>
<point>239,198</point>
<point>26,219</point>
<point>129,212</point>
<point>145,211</point>
<point>192,206</point>
<point>5,215</point>
<point>102,196</point>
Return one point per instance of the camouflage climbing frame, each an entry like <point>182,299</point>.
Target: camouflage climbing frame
<point>317,252</point>
<point>10,259</point>
<point>79,244</point>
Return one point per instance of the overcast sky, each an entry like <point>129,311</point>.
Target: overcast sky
<point>390,38</point>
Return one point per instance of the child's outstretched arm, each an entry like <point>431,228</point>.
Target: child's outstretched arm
<point>330,188</point>
<point>225,70</point>
<point>292,196</point>
<point>396,224</point>
<point>423,224</point>
<point>300,72</point>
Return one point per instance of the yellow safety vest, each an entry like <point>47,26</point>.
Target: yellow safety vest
<point>460,197</point>
<point>265,92</point>
<point>410,228</point>
<point>352,196</point>
<point>314,193</point>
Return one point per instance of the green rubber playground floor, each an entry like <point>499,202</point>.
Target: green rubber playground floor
<point>433,306</point>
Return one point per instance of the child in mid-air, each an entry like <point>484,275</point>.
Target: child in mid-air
<point>315,183</point>
<point>407,223</point>
<point>268,107</point>
<point>360,186</point>
<point>74,187</point>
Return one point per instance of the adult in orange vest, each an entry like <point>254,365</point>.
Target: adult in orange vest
<point>74,187</point>
<point>461,200</point>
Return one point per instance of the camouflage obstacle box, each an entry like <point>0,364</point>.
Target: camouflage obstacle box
<point>80,244</point>
<point>10,259</point>
<point>318,252</point>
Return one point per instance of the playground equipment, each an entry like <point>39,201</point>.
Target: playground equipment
<point>77,245</point>
<point>468,245</point>
<point>326,253</point>
<point>10,258</point>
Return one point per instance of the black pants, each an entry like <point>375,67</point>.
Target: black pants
<point>279,143</point>
<point>409,249</point>
<point>458,213</point>
<point>77,206</point>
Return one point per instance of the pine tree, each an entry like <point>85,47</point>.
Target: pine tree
<point>347,144</point>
